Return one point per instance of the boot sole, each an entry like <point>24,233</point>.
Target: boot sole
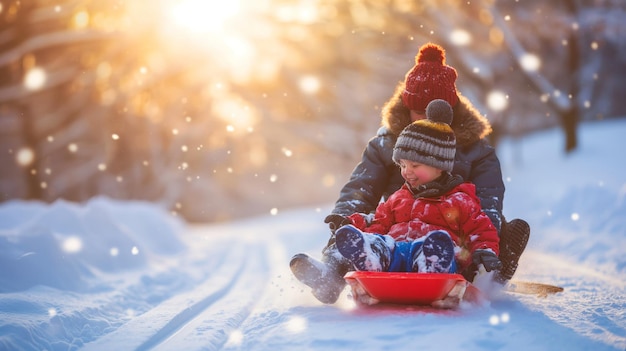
<point>445,248</point>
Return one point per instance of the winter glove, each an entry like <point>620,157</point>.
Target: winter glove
<point>488,259</point>
<point>335,221</point>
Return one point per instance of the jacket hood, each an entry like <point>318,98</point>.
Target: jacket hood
<point>468,124</point>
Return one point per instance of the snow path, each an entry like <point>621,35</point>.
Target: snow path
<point>205,315</point>
<point>252,300</point>
<point>231,289</point>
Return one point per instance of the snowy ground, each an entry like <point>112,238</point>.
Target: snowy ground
<point>121,276</point>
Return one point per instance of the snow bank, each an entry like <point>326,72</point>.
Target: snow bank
<point>64,244</point>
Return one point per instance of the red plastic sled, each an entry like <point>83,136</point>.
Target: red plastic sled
<point>411,288</point>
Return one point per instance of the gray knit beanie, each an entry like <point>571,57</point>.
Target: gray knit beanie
<point>429,141</point>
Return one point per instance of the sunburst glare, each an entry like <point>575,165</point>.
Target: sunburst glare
<point>204,15</point>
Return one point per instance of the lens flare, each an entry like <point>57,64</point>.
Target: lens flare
<point>204,16</point>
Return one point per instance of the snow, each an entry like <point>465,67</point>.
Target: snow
<point>110,275</point>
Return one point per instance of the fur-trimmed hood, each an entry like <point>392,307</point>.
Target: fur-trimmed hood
<point>468,124</point>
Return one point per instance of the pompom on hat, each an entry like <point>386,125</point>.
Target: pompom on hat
<point>429,79</point>
<point>429,141</point>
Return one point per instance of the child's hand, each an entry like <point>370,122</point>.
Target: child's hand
<point>488,259</point>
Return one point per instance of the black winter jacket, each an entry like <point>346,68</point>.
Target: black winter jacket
<point>377,176</point>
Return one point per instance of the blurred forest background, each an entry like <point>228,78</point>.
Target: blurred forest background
<point>223,109</point>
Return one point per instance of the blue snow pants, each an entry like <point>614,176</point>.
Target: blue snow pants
<point>404,253</point>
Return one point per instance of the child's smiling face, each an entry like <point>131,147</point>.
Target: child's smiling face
<point>416,173</point>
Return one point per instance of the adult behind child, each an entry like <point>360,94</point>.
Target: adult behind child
<point>434,222</point>
<point>377,176</point>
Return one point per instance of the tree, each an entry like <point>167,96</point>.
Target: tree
<point>271,104</point>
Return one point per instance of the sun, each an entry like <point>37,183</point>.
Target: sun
<point>203,16</point>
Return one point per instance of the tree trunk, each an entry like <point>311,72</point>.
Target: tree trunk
<point>28,136</point>
<point>570,118</point>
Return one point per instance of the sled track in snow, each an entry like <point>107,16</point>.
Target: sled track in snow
<point>203,316</point>
<point>188,314</point>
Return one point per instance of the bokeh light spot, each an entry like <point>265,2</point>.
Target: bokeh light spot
<point>505,318</point>
<point>494,320</point>
<point>501,319</point>
<point>310,84</point>
<point>81,19</point>
<point>460,37</point>
<point>296,324</point>
<point>530,62</point>
<point>497,101</point>
<point>72,244</point>
<point>35,78</point>
<point>24,156</point>
<point>114,251</point>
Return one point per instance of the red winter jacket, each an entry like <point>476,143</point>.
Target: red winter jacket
<point>458,212</point>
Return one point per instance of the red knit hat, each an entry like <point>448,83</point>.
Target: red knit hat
<point>429,79</point>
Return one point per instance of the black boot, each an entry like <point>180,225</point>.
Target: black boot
<point>325,277</point>
<point>513,240</point>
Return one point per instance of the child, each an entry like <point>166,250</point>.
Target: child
<point>434,223</point>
